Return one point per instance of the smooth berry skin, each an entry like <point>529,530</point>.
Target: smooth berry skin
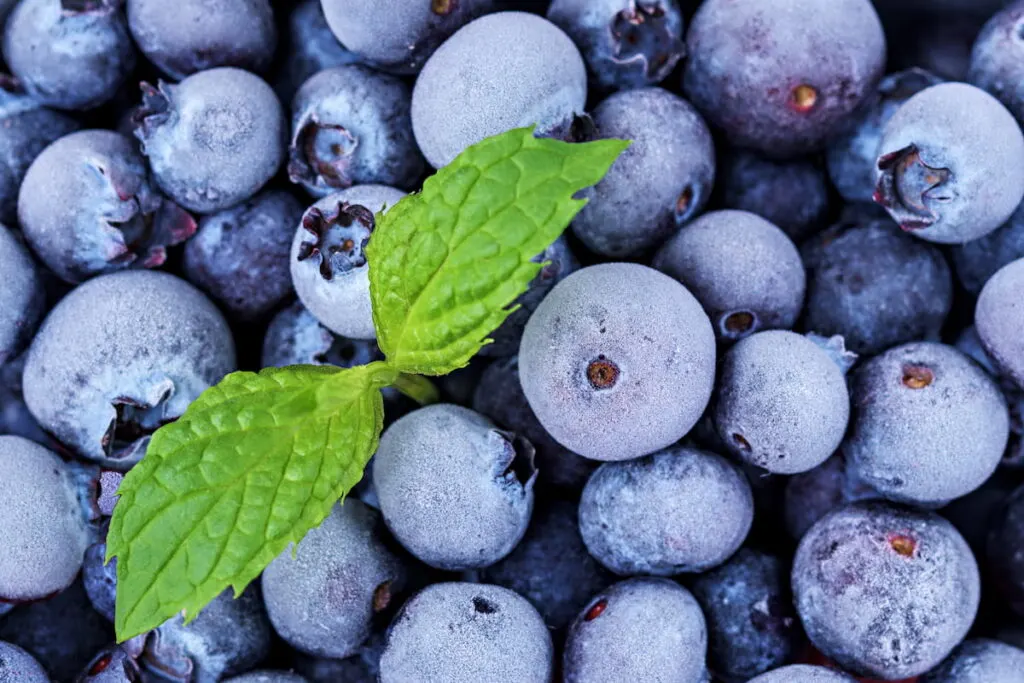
<point>239,256</point>
<point>678,511</point>
<point>66,56</point>
<point>22,299</point>
<point>791,99</point>
<point>214,139</point>
<point>884,591</point>
<point>467,633</point>
<point>183,38</point>
<point>999,316</point>
<point>978,260</point>
<point>351,126</point>
<point>980,660</point>
<point>88,206</point>
<point>618,361</point>
<point>811,495</point>
<point>268,677</point>
<point>18,666</point>
<point>1002,550</point>
<point>502,71</point>
<point>659,183</point>
<point>147,344</point>
<point>99,578</point>
<point>308,47</point>
<point>803,673</point>
<point>296,337</point>
<point>745,272</point>
<point>996,58</point>
<point>644,629</point>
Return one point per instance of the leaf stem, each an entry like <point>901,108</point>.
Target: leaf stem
<point>418,388</point>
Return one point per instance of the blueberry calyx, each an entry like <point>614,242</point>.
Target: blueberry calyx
<point>905,185</point>
<point>443,7</point>
<point>686,204</point>
<point>917,376</point>
<point>154,111</point>
<point>738,324</point>
<point>803,98</point>
<point>482,605</point>
<point>602,373</point>
<point>320,154</point>
<point>134,421</point>
<point>339,238</point>
<point>596,610</point>
<point>516,463</point>
<point>641,36</point>
<point>382,597</point>
<point>903,544</point>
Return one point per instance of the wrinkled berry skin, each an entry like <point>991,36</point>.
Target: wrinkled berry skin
<point>928,424</point>
<point>69,54</point>
<point>746,273</point>
<point>22,298</point>
<point>790,99</point>
<point>454,490</point>
<point>187,36</point>
<point>18,666</point>
<point>885,591</point>
<point>147,344</point>
<point>214,139</point>
<point>115,664</point>
<point>980,661</point>
<point>89,206</point>
<point>351,126</point>
<point>501,71</point>
<point>618,361</point>
<point>978,260</point>
<point>803,673</point>
<point>1005,539</point>
<point>99,578</point>
<point>643,629</point>
<point>626,43</point>
<point>999,318</point>
<point>659,183</point>
<point>239,256</point>
<point>678,511</point>
<point>296,337</point>
<point>309,47</point>
<point>950,164</point>
<point>997,56</point>
<point>751,623</point>
<point>813,494</point>
<point>467,633</point>
<point>875,286</point>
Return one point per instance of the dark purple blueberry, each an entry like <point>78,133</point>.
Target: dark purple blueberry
<point>100,579</point>
<point>978,260</point>
<point>980,660</point>
<point>296,337</point>
<point>114,664</point>
<point>939,45</point>
<point>998,55</point>
<point>22,298</point>
<point>999,319</point>
<point>1003,551</point>
<point>812,495</point>
<point>309,47</point>
<point>359,668</point>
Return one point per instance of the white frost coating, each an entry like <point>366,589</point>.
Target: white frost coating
<point>18,295</point>
<point>268,677</point>
<point>802,673</point>
<point>18,666</point>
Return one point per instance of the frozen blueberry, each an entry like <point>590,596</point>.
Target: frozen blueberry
<point>467,633</point>
<point>679,510</point>
<point>115,664</point>
<point>978,260</point>
<point>187,36</point>
<point>875,286</point>
<point>268,677</point>
<point>328,258</point>
<point>745,272</point>
<point>813,494</point>
<point>644,629</point>
<point>359,668</point>
<point>997,55</point>
<point>782,77</point>
<point>214,139</point>
<point>618,361</point>
<point>350,125</point>
<point>658,184</point>
<point>100,579</point>
<point>22,298</point>
<point>89,206</point>
<point>803,673</point>
<point>239,256</point>
<point>1003,551</point>
<point>980,661</point>
<point>950,164</point>
<point>751,623</point>
<point>999,319</point>
<point>498,72</point>
<point>884,591</point>
<point>18,666</point>
<point>309,47</point>
<point>146,345</point>
<point>456,491</point>
<point>295,337</point>
<point>69,54</point>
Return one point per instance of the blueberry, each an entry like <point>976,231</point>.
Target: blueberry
<point>643,629</point>
<point>15,417</point>
<point>187,36</point>
<point>295,337</point>
<point>214,139</point>
<point>498,72</point>
<point>18,666</point>
<point>359,668</point>
<point>455,491</point>
<point>811,495</point>
<point>618,361</point>
<point>1006,563</point>
<point>239,256</point>
<point>100,579</point>
<point>22,299</point>
<point>659,183</point>
<point>69,54</point>
<point>626,43</point>
<point>999,317</point>
<point>113,664</point>
<point>680,510</point>
<point>978,260</point>
<point>980,661</point>
<point>309,47</point>
<point>746,273</point>
<point>146,345</point>
<point>996,58</point>
<point>782,78</point>
<point>397,35</point>
<point>89,206</point>
<point>351,125</point>
<point>884,591</point>
<point>268,677</point>
<point>950,164</point>
<point>802,673</point>
<point>749,611</point>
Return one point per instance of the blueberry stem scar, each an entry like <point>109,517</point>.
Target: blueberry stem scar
<point>418,388</point>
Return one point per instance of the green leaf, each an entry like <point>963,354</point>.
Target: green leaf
<point>446,264</point>
<point>253,464</point>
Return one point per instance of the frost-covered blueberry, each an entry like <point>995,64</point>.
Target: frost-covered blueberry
<point>146,345</point>
<point>813,494</point>
<point>187,36</point>
<point>999,319</point>
<point>309,47</point>
<point>745,272</point>
<point>88,206</point>
<point>22,298</point>
<point>455,490</point>
<point>296,337</point>
<point>115,664</point>
<point>18,666</point>
<point>950,164</point>
<point>978,260</point>
<point>501,71</point>
<point>885,591</point>
<point>643,629</point>
<point>680,510</point>
<point>659,183</point>
<point>268,677</point>
<point>351,126</point>
<point>980,660</point>
<point>803,673</point>
<point>99,578</point>
<point>467,633</point>
<point>1002,550</point>
<point>996,58</point>
<point>618,361</point>
<point>239,256</point>
<point>69,54</point>
<point>214,139</point>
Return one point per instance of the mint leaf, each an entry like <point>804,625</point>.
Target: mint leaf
<point>446,264</point>
<point>253,464</point>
